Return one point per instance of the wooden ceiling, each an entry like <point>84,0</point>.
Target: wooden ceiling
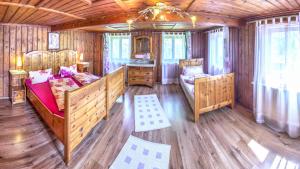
<point>66,14</point>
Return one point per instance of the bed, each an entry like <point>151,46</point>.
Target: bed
<point>84,107</point>
<point>207,93</point>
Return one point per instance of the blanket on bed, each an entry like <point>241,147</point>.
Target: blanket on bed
<point>85,78</point>
<point>58,88</point>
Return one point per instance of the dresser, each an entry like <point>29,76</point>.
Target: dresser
<point>140,75</point>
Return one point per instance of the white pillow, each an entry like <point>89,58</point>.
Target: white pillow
<point>192,70</point>
<point>40,76</point>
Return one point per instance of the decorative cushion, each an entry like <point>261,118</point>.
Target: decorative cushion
<point>68,71</point>
<point>85,78</point>
<point>40,76</point>
<point>192,70</point>
<point>58,88</point>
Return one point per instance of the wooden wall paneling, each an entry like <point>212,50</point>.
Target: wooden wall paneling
<point>98,54</point>
<point>1,60</point>
<point>12,47</point>
<point>34,38</point>
<point>6,59</point>
<point>245,66</point>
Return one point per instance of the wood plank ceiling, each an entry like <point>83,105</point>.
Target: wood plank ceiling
<point>65,14</point>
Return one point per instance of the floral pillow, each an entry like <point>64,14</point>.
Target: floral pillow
<point>40,76</point>
<point>85,78</point>
<point>68,71</point>
<point>192,70</point>
<point>58,88</point>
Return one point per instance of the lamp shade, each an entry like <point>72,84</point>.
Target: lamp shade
<point>19,61</point>
<point>81,57</point>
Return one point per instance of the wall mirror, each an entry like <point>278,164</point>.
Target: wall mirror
<point>142,47</point>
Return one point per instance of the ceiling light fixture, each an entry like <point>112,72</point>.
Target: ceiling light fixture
<point>159,12</point>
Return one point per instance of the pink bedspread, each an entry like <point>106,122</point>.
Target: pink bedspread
<point>44,93</point>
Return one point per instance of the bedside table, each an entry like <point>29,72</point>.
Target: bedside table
<point>83,66</point>
<point>17,89</point>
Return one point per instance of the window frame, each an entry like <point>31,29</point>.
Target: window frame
<point>173,38</point>
<point>120,47</point>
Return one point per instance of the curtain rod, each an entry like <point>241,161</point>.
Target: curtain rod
<point>214,29</point>
<point>271,18</point>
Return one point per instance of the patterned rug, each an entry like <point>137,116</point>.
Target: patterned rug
<point>141,154</point>
<point>149,115</point>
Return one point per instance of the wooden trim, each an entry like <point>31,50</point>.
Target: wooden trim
<point>122,18</point>
<point>41,8</point>
<point>67,150</point>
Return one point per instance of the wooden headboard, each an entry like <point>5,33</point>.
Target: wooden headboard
<point>190,62</point>
<point>39,60</point>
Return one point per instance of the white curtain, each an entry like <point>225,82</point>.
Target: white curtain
<point>217,50</point>
<point>277,72</point>
<point>117,50</point>
<point>173,49</point>
<point>106,53</point>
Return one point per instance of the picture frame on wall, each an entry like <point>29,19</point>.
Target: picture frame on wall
<point>53,40</point>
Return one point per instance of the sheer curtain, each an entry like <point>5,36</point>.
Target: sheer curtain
<point>276,78</point>
<point>174,49</point>
<point>117,50</point>
<point>217,50</point>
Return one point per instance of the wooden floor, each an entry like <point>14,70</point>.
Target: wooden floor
<point>221,139</point>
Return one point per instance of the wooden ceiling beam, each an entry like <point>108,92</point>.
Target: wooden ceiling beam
<point>122,18</point>
<point>122,5</point>
<point>89,2</point>
<point>41,8</point>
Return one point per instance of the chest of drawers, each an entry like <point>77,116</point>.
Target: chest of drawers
<point>140,75</point>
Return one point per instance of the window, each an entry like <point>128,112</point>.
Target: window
<point>174,47</point>
<point>120,48</point>
<point>283,49</point>
<point>216,51</point>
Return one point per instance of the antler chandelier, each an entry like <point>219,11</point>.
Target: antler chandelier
<point>159,12</point>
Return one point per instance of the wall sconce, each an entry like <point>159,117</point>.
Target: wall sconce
<point>19,62</point>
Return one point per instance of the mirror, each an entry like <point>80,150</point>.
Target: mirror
<point>142,47</point>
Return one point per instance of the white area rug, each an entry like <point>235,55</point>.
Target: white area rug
<point>141,154</point>
<point>149,115</point>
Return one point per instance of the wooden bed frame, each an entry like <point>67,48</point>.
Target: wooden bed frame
<point>84,107</point>
<point>210,93</point>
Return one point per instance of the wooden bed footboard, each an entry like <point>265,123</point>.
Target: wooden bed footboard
<point>213,92</point>
<point>84,108</point>
<point>115,86</point>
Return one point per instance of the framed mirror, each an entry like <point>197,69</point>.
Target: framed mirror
<point>142,47</point>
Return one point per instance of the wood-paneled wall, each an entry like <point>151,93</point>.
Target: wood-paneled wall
<point>16,39</point>
<point>244,66</point>
<point>200,47</point>
<point>83,42</point>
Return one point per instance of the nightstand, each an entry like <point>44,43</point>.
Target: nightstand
<point>17,87</point>
<point>83,66</point>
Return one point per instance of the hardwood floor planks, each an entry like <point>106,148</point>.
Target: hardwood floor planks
<point>221,139</point>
